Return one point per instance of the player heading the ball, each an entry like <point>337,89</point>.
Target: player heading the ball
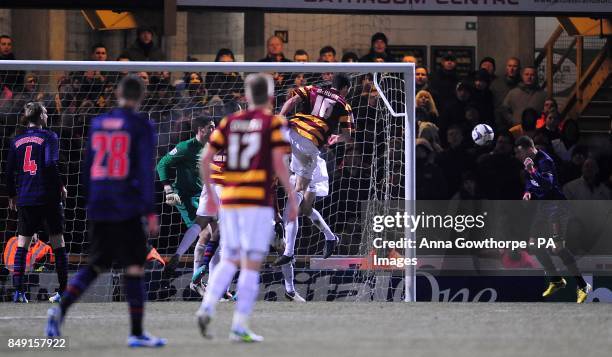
<point>255,145</point>
<point>119,189</point>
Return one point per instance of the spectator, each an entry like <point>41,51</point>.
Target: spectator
<point>482,98</point>
<point>572,169</point>
<point>468,189</point>
<point>421,79</point>
<point>499,172</point>
<point>426,107</point>
<point>274,53</point>
<point>429,131</point>
<point>589,185</point>
<point>379,59</point>
<point>144,49</point>
<point>500,86</point>
<point>409,59</point>
<point>350,57</point>
<point>444,82</point>
<point>9,79</point>
<point>550,129</point>
<point>455,108</point>
<point>429,179</point>
<point>455,160</point>
<point>225,86</point>
<point>378,49</point>
<point>527,94</point>
<point>327,54</point>
<point>488,64</point>
<point>527,125</point>
<point>301,56</point>
<point>99,53</point>
<point>550,105</point>
<point>570,133</point>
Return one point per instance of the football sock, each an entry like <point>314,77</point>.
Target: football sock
<point>19,268</point>
<point>209,252</point>
<point>218,282</point>
<point>318,221</point>
<point>291,229</point>
<point>570,263</point>
<point>190,236</point>
<point>77,286</point>
<point>61,268</point>
<point>288,275</point>
<point>198,256</point>
<point>135,295</point>
<point>248,288</point>
<point>547,263</point>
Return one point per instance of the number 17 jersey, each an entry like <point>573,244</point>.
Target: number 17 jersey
<point>248,138</point>
<point>119,166</point>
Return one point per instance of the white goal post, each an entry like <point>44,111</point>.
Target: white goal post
<point>402,74</point>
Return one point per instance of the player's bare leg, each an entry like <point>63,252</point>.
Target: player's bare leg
<point>61,264</point>
<point>23,244</point>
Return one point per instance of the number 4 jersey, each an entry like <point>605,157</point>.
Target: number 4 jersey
<point>322,112</point>
<point>119,166</point>
<point>32,168</point>
<point>248,139</point>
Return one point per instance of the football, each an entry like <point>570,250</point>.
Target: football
<point>482,134</point>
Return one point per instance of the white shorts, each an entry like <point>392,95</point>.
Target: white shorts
<point>304,154</point>
<point>202,204</point>
<point>246,229</point>
<point>320,180</point>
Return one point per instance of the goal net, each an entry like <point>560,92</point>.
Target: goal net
<point>365,176</point>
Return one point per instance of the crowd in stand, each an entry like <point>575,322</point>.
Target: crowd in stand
<point>449,164</point>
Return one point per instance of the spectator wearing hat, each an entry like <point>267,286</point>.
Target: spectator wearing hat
<point>488,64</point>
<point>444,81</point>
<point>378,49</point>
<point>144,48</point>
<point>482,98</point>
<point>528,94</point>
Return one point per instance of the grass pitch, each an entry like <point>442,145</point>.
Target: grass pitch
<point>334,329</point>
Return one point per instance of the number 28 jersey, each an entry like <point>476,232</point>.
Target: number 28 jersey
<point>247,139</point>
<point>119,166</point>
<point>322,112</point>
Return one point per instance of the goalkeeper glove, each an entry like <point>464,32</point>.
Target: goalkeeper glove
<point>172,198</point>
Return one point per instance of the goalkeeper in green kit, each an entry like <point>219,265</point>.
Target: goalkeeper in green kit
<point>184,193</point>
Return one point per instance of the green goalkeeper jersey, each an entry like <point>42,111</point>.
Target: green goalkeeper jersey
<point>185,159</point>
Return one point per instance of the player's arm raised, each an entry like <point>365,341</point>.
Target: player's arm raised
<point>290,105</point>
<point>164,167</point>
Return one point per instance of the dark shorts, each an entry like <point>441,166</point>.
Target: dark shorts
<point>124,243</point>
<point>550,220</point>
<point>33,219</point>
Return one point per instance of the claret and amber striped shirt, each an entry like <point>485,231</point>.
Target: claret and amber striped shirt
<point>322,112</point>
<point>248,138</point>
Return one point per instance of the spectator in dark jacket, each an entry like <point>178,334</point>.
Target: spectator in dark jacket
<point>421,79</point>
<point>429,179</point>
<point>378,49</point>
<point>274,48</point>
<point>444,81</point>
<point>144,49</point>
<point>225,86</point>
<point>9,79</point>
<point>482,99</point>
